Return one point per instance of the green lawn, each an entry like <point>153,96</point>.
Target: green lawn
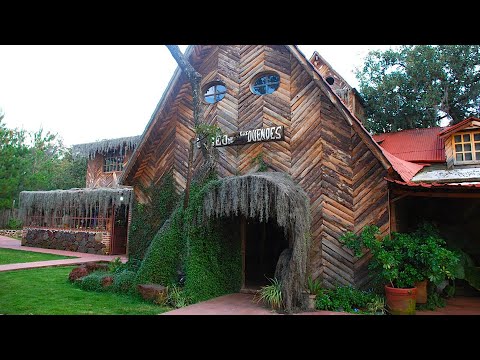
<point>47,291</point>
<point>10,256</point>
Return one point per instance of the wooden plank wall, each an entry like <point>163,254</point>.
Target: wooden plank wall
<point>95,175</point>
<point>450,154</point>
<point>321,150</point>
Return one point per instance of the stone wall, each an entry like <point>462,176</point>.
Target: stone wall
<point>16,234</point>
<point>70,240</point>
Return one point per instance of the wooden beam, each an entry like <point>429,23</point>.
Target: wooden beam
<point>438,195</point>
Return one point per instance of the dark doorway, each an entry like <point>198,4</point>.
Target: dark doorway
<point>120,230</point>
<point>264,242</point>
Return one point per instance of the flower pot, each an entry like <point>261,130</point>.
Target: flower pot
<point>311,302</point>
<point>421,291</point>
<point>400,301</point>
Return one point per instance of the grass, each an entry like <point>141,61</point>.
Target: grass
<point>10,256</point>
<point>47,291</point>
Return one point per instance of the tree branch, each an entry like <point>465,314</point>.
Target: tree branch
<point>192,75</point>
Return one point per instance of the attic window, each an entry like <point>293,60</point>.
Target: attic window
<point>112,162</point>
<point>214,92</point>
<point>265,83</point>
<point>330,80</point>
<point>467,147</point>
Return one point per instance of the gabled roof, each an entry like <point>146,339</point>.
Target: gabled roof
<point>470,122</point>
<point>319,81</point>
<point>417,145</point>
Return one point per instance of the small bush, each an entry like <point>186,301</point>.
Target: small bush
<point>314,286</point>
<point>93,281</point>
<point>345,298</point>
<point>14,224</point>
<point>115,266</point>
<point>123,281</point>
<point>177,297</point>
<point>271,295</point>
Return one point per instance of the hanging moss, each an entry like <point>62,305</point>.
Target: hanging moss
<point>200,240</point>
<point>104,146</point>
<point>267,196</point>
<point>88,201</point>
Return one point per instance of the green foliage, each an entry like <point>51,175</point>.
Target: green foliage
<point>14,224</point>
<point>165,254</point>
<point>434,301</point>
<point>177,297</point>
<point>404,259</point>
<point>413,86</point>
<point>271,295</point>
<point>93,281</point>
<point>124,281</point>
<point>314,286</point>
<point>35,161</point>
<point>262,165</point>
<point>349,299</point>
<point>115,265</point>
<point>148,218</point>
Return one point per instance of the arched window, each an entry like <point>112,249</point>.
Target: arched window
<point>265,83</point>
<point>214,91</point>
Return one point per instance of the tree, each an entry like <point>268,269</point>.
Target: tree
<point>35,161</point>
<point>203,132</point>
<point>416,86</point>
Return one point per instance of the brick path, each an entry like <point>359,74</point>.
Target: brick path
<point>80,258</point>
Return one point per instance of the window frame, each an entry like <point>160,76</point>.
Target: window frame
<point>215,93</point>
<point>260,75</point>
<point>118,165</point>
<point>472,143</point>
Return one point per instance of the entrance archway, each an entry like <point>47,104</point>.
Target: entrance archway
<point>273,198</point>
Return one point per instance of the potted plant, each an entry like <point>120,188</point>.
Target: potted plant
<point>435,262</point>
<point>313,289</point>
<point>392,266</point>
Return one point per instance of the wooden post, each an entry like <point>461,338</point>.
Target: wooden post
<point>189,174</point>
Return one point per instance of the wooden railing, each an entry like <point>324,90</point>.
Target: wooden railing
<point>68,222</point>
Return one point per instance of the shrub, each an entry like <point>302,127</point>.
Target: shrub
<point>93,281</point>
<point>177,297</point>
<point>115,265</point>
<point>314,286</point>
<point>14,224</point>
<point>124,281</point>
<point>271,295</point>
<point>345,298</point>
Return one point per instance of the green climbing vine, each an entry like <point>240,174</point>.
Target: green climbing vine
<point>148,218</point>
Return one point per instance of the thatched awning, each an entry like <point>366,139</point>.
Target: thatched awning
<point>89,201</point>
<point>104,146</point>
<point>268,196</point>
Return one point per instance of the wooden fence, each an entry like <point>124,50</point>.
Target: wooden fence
<point>6,215</point>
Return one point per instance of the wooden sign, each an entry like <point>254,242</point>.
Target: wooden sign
<point>274,133</point>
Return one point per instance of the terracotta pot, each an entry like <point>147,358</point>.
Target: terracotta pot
<point>421,291</point>
<point>400,301</point>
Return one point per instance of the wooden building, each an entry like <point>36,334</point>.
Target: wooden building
<point>324,147</point>
<point>94,219</point>
<point>440,168</point>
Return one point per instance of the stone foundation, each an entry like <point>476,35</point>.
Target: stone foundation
<point>16,234</point>
<point>70,240</point>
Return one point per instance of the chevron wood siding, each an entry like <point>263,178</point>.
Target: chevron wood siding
<point>321,151</point>
<point>95,175</point>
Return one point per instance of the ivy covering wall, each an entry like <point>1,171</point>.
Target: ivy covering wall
<point>148,218</point>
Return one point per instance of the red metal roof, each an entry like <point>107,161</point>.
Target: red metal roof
<point>434,185</point>
<point>406,170</point>
<point>417,145</point>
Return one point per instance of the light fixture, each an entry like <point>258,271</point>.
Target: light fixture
<point>121,198</point>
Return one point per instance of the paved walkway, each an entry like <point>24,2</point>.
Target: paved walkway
<point>243,304</point>
<point>234,304</point>
<point>80,258</point>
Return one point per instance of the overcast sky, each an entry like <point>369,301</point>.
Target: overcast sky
<point>87,93</point>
